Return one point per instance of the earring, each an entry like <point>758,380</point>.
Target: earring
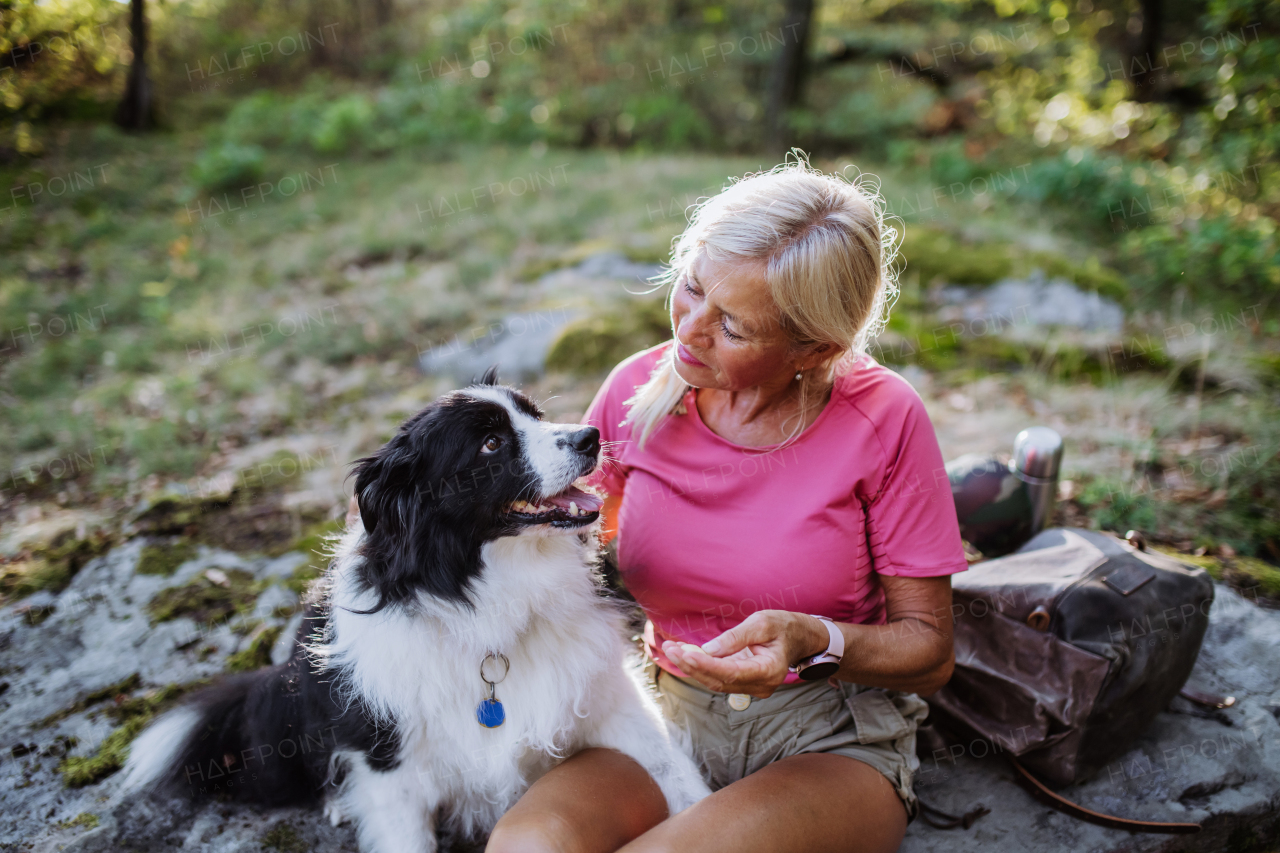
<point>798,377</point>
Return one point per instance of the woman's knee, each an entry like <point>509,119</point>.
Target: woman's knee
<point>534,833</point>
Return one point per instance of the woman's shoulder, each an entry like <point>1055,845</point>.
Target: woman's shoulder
<point>878,394</point>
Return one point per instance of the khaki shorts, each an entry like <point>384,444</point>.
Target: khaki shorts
<point>872,725</point>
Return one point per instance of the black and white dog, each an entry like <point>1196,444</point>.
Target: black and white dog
<point>473,563</point>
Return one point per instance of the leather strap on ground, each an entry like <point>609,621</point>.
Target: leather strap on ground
<point>1064,805</point>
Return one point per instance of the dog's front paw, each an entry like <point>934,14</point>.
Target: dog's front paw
<point>333,812</point>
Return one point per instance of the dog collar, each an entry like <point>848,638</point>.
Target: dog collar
<point>490,713</point>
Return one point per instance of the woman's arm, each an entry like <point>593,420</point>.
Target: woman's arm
<point>911,652</point>
<point>609,527</point>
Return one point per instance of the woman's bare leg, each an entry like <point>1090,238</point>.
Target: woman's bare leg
<point>809,803</point>
<point>593,802</point>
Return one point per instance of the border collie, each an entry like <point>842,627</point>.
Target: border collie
<point>457,648</point>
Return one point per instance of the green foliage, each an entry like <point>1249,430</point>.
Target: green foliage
<point>1118,507</point>
<point>344,125</point>
<point>1219,261</point>
<point>229,166</point>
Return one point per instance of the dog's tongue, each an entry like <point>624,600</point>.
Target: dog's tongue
<point>586,501</point>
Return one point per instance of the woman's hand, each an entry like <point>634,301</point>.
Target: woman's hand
<point>753,657</point>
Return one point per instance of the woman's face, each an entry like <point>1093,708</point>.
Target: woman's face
<point>727,332</point>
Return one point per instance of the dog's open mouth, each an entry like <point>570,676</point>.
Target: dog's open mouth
<point>574,507</point>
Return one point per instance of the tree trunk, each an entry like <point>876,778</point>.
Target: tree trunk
<point>136,111</point>
<point>786,77</point>
<point>1146,65</point>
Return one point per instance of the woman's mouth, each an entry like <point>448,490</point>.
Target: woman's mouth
<point>686,356</point>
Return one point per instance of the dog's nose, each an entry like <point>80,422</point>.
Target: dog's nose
<point>585,441</point>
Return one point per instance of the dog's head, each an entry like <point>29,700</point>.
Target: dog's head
<point>474,466</point>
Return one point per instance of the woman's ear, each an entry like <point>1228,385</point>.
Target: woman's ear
<point>815,354</point>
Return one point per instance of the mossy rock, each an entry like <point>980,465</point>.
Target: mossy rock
<point>207,600</point>
<point>257,653</point>
<point>164,559</point>
<point>50,567</point>
<point>111,691</point>
<point>596,344</point>
<point>84,820</point>
<point>284,838</point>
<point>132,716</point>
<point>935,255</point>
<point>249,519</point>
<point>316,542</point>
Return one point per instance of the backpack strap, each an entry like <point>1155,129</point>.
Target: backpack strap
<point>1076,810</point>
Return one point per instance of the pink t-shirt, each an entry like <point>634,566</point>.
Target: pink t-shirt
<point>710,531</point>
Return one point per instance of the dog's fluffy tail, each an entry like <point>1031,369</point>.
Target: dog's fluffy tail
<point>241,737</point>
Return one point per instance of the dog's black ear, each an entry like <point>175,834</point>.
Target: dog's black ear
<point>490,376</point>
<point>378,481</point>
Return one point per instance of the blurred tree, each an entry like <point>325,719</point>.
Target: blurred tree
<point>786,78</point>
<point>137,110</point>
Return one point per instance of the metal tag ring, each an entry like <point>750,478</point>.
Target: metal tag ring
<point>506,667</point>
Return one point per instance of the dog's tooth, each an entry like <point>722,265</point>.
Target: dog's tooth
<point>573,508</point>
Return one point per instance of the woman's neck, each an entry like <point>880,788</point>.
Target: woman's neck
<point>759,416</point>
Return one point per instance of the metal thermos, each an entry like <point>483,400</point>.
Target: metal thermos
<point>1037,457</point>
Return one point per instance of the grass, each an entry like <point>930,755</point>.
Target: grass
<point>190,335</point>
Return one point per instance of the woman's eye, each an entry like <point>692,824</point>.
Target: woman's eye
<point>689,288</point>
<point>728,334</point>
<point>492,443</point>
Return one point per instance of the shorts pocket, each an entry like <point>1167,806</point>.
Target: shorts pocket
<point>877,717</point>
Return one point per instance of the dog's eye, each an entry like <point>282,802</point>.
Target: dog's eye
<point>492,443</point>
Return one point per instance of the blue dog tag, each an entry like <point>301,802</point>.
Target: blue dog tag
<point>490,713</point>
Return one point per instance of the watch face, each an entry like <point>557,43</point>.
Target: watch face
<point>819,671</point>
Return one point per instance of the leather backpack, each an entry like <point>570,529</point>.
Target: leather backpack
<point>1068,647</point>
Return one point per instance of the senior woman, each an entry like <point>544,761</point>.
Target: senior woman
<point>780,502</point>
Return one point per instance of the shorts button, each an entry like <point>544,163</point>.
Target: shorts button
<point>739,701</point>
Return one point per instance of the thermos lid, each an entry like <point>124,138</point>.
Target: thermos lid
<point>1037,452</point>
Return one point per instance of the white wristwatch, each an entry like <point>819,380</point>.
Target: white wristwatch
<point>824,664</point>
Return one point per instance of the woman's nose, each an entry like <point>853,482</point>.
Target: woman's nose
<point>690,327</point>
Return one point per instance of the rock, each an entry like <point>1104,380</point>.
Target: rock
<point>1033,301</point>
<point>1218,769</point>
<point>517,344</point>
<point>283,649</point>
<point>615,265</point>
<point>59,674</point>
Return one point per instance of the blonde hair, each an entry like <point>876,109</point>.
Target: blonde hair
<point>829,250</point>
